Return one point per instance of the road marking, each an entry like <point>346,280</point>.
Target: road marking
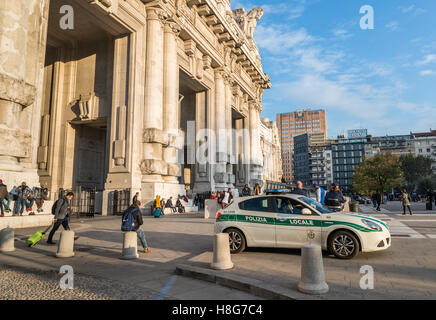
<point>167,288</point>
<point>417,220</point>
<point>399,229</point>
<point>415,215</point>
<point>432,236</point>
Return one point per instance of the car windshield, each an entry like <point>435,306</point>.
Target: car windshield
<point>314,204</point>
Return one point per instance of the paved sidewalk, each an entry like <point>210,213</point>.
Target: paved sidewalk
<point>101,274</point>
<point>405,271</point>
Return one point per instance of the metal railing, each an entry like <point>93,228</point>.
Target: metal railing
<point>120,201</point>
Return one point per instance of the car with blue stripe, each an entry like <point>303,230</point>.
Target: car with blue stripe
<point>290,221</point>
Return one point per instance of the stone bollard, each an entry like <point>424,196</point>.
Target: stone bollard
<point>312,270</point>
<point>221,252</point>
<point>130,246</point>
<point>210,208</point>
<point>66,244</point>
<point>7,238</point>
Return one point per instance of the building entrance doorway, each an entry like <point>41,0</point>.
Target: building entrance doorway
<point>89,157</point>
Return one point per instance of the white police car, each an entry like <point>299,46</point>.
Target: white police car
<point>290,221</point>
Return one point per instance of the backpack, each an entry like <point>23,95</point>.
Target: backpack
<point>53,208</point>
<point>128,221</point>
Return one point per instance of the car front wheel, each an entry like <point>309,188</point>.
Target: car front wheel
<point>343,244</point>
<point>236,240</point>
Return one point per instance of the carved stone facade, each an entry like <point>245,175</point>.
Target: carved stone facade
<point>121,100</point>
<point>271,151</point>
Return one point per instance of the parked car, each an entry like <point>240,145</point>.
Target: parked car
<point>290,221</point>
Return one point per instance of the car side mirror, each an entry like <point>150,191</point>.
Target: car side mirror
<point>306,212</point>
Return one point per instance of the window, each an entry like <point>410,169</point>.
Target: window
<point>256,204</point>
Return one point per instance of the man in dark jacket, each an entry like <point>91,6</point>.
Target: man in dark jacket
<point>135,198</point>
<point>137,216</point>
<point>246,191</point>
<point>4,196</point>
<point>62,213</point>
<point>299,189</point>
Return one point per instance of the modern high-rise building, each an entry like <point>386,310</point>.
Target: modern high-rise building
<point>294,124</point>
<point>313,160</point>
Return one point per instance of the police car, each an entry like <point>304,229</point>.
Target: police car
<point>290,221</point>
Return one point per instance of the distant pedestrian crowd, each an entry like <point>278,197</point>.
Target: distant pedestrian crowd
<point>23,198</point>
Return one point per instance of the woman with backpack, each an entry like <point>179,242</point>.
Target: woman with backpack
<point>405,200</point>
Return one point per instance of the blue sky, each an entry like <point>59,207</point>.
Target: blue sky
<point>318,57</point>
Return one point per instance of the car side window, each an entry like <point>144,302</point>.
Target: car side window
<point>288,206</point>
<point>255,204</point>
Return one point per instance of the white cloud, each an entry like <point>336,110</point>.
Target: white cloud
<point>342,34</point>
<point>393,25</point>
<point>427,72</point>
<point>427,60</point>
<point>412,10</point>
<point>276,39</point>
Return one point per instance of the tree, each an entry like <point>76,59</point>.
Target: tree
<point>426,183</point>
<point>381,172</point>
<point>415,169</point>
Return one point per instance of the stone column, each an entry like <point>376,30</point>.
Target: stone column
<point>229,132</point>
<point>256,162</point>
<point>220,132</point>
<point>23,28</point>
<point>171,102</point>
<point>152,165</point>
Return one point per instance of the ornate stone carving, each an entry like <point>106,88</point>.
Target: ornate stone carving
<point>151,166</point>
<point>16,91</point>
<point>153,135</point>
<point>86,106</point>
<point>154,13</point>
<point>172,27</point>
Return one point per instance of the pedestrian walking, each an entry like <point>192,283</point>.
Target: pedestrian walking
<point>138,222</point>
<point>378,200</point>
<point>429,198</point>
<point>135,198</point>
<point>62,210</point>
<point>374,199</point>
<point>405,200</point>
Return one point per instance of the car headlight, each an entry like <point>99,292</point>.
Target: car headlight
<point>371,224</point>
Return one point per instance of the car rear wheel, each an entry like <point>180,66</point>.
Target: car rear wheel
<point>343,244</point>
<point>236,240</point>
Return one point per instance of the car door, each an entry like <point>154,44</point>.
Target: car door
<point>257,217</point>
<point>293,229</point>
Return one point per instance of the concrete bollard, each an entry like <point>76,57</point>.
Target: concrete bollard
<point>130,246</point>
<point>210,208</point>
<point>312,270</point>
<point>221,252</point>
<point>66,244</point>
<point>7,238</point>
